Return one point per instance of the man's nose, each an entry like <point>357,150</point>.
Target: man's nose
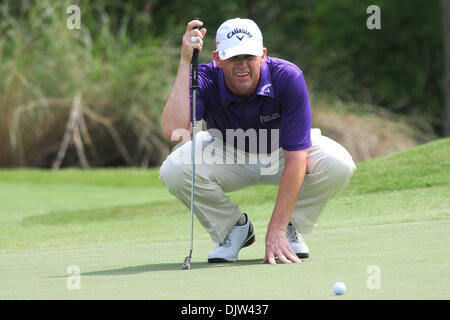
<point>242,61</point>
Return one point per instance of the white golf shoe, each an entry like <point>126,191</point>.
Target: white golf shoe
<point>297,243</point>
<point>238,238</point>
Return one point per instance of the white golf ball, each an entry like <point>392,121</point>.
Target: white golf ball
<point>339,288</point>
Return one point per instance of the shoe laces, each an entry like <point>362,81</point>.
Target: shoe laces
<point>292,234</point>
<point>227,241</point>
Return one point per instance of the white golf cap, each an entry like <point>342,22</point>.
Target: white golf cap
<point>239,36</point>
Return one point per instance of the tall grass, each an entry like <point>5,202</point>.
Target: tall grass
<point>121,85</point>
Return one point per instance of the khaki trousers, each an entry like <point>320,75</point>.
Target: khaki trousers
<point>220,168</point>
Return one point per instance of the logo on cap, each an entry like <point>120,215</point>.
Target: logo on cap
<point>237,31</point>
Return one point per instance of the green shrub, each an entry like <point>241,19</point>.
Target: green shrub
<point>121,86</point>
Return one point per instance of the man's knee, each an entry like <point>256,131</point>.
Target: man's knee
<point>173,174</point>
<point>342,170</point>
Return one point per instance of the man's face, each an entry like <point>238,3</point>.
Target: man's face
<point>241,72</point>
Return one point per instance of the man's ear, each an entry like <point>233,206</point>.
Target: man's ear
<point>263,57</point>
<point>217,58</point>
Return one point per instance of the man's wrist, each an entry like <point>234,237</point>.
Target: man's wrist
<point>185,62</point>
<point>277,226</point>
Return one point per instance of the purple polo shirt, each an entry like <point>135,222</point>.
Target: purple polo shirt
<point>281,102</point>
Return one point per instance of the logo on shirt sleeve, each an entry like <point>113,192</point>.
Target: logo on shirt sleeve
<point>265,89</point>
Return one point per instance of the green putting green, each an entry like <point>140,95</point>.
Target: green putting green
<point>385,237</point>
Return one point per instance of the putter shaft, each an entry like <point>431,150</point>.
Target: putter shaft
<point>187,260</point>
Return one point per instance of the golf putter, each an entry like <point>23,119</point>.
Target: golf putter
<point>187,260</point>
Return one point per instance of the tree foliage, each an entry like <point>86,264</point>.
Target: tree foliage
<point>123,61</point>
<point>398,67</point>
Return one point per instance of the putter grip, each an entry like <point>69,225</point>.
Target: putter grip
<point>194,63</point>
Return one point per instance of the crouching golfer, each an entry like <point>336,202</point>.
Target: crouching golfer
<point>258,117</point>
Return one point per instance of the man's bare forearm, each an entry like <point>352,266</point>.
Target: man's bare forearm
<point>288,191</point>
<point>277,244</point>
<point>177,112</point>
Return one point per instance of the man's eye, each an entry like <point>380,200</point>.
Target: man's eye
<point>242,57</point>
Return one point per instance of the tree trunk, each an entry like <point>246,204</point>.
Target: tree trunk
<point>445,15</point>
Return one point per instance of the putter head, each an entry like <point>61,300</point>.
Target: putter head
<point>186,264</point>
